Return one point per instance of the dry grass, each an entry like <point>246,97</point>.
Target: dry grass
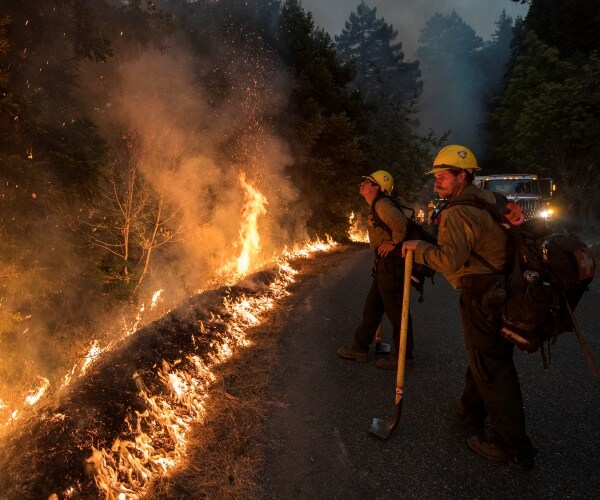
<point>226,454</point>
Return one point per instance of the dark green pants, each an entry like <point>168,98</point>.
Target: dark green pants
<point>385,296</point>
<point>491,382</point>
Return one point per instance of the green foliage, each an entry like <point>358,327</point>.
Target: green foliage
<point>325,122</point>
<point>369,43</point>
<point>336,154</point>
<point>520,116</point>
<point>44,282</point>
<point>570,26</point>
<point>76,152</point>
<point>447,40</point>
<point>42,70</point>
<point>492,59</point>
<point>8,108</point>
<point>547,122</point>
<point>119,276</point>
<point>85,37</point>
<point>392,88</point>
<point>138,28</point>
<point>311,56</point>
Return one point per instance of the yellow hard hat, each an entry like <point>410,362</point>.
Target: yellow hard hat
<point>383,179</point>
<point>454,157</point>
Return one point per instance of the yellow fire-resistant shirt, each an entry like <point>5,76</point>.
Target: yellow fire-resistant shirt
<point>392,217</point>
<point>465,229</point>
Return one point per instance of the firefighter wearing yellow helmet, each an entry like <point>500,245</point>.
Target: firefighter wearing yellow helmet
<point>473,254</point>
<point>383,179</point>
<point>454,157</point>
<point>387,227</point>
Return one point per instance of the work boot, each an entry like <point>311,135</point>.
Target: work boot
<point>471,418</point>
<point>490,450</point>
<point>391,362</point>
<point>354,353</point>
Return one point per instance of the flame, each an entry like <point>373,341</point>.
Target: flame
<point>93,353</point>
<point>254,207</point>
<point>126,469</point>
<point>31,399</point>
<point>155,297</point>
<point>249,237</point>
<point>309,247</point>
<point>155,440</point>
<point>157,437</point>
<point>355,231</point>
<point>34,396</point>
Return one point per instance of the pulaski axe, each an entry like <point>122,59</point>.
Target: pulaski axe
<point>383,429</point>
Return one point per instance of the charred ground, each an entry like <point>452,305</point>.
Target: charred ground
<point>49,452</point>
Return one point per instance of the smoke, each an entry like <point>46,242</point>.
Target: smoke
<point>409,16</point>
<point>182,137</point>
<point>452,98</point>
<point>453,101</point>
<point>191,145</point>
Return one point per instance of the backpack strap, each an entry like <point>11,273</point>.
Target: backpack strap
<point>487,263</point>
<point>378,221</point>
<point>373,213</point>
<point>472,200</point>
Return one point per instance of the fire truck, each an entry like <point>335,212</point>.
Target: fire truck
<point>531,193</point>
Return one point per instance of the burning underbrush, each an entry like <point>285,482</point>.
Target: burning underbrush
<point>124,422</point>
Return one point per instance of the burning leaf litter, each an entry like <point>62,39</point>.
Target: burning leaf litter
<point>121,416</point>
<point>123,421</point>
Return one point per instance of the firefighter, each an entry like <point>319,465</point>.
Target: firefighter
<point>387,227</point>
<point>491,388</point>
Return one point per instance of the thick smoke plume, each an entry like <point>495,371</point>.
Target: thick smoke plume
<point>182,137</point>
<point>190,145</point>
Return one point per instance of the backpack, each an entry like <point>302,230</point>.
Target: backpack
<point>415,231</point>
<point>545,281</point>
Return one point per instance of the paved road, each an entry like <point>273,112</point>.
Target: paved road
<point>322,447</point>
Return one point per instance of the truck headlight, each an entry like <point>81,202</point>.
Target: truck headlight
<point>547,214</point>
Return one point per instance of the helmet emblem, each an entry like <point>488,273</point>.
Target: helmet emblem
<point>462,154</point>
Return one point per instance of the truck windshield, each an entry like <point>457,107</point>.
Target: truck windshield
<point>512,186</point>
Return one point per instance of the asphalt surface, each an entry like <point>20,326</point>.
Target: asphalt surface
<point>322,448</point>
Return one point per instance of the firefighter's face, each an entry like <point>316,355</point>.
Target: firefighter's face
<point>447,184</point>
<point>367,187</point>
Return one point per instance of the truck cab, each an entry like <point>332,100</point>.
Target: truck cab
<point>532,194</point>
